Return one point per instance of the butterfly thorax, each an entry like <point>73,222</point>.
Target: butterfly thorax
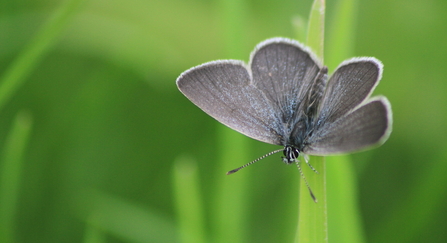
<point>302,122</point>
<point>295,140</point>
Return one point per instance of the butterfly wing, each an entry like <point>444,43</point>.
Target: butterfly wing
<point>365,127</point>
<point>351,83</point>
<point>284,70</point>
<point>254,101</point>
<point>344,123</point>
<point>223,89</point>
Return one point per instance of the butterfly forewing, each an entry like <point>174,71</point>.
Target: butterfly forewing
<point>284,70</point>
<point>223,89</point>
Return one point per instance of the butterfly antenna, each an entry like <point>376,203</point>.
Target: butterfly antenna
<point>254,161</point>
<point>305,181</point>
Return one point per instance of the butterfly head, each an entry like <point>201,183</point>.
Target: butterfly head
<point>291,154</point>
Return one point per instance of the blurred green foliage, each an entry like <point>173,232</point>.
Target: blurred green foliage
<point>108,123</point>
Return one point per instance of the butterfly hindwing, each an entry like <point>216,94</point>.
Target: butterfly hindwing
<point>367,126</point>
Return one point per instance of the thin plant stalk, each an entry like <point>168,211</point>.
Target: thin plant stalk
<point>315,29</point>
<point>191,216</point>
<point>312,220</point>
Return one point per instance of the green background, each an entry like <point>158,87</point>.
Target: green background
<point>108,123</point>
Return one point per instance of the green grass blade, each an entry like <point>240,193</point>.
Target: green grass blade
<point>189,201</point>
<point>300,28</point>
<point>231,205</point>
<point>123,219</point>
<point>10,173</point>
<point>92,233</point>
<point>315,29</point>
<point>343,209</point>
<point>312,219</point>
<point>312,222</point>
<point>28,59</point>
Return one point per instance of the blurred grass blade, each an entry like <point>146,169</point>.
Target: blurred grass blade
<point>123,219</point>
<point>299,25</point>
<point>344,222</point>
<point>233,13</point>
<point>10,173</point>
<point>230,214</point>
<point>189,201</point>
<point>312,219</point>
<point>340,42</point>
<point>315,29</point>
<point>230,221</point>
<point>413,215</point>
<point>30,56</point>
<point>92,233</point>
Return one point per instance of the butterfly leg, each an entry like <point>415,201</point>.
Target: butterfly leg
<point>305,181</point>
<point>306,158</point>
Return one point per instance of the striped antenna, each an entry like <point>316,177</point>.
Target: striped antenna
<point>256,160</point>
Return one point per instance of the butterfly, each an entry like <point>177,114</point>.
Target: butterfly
<point>283,96</point>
